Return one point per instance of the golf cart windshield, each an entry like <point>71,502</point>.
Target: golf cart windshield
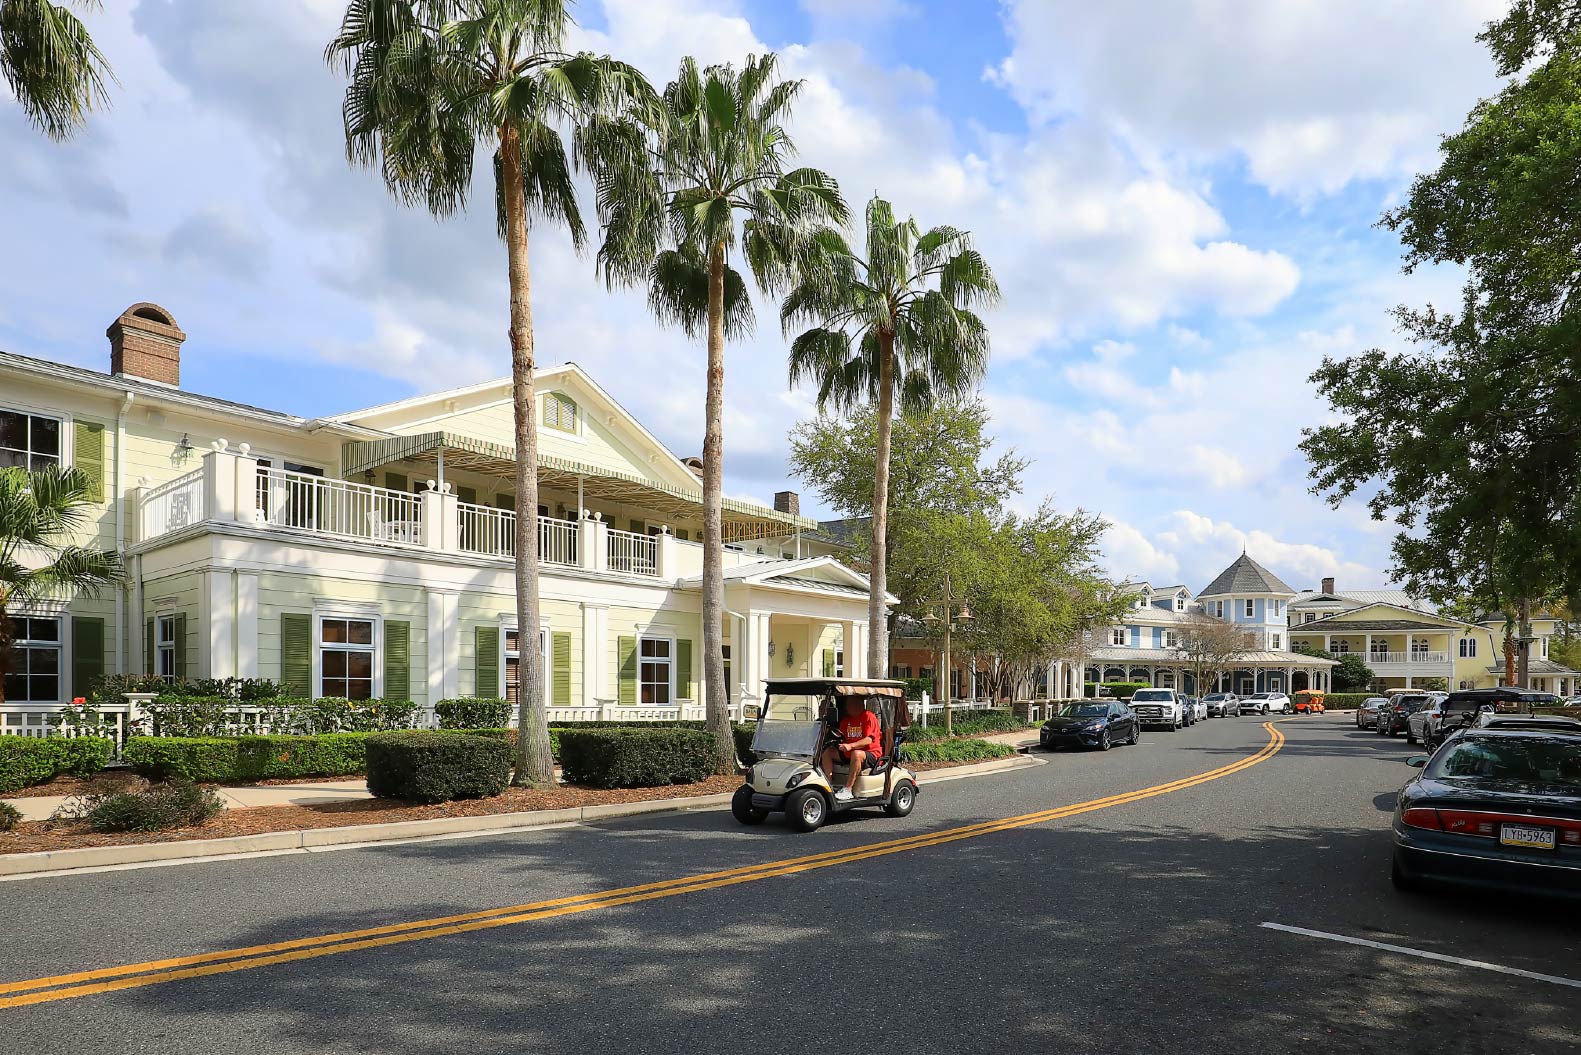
<point>790,726</point>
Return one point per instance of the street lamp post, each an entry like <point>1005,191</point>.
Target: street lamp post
<point>947,602</point>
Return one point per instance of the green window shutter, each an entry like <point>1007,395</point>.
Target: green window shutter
<point>561,687</point>
<point>87,653</point>
<point>397,660</point>
<point>683,670</point>
<point>828,662</point>
<point>296,654</point>
<point>488,662</point>
<point>148,648</point>
<point>87,454</point>
<point>181,646</point>
<point>626,651</point>
<point>468,495</point>
<point>395,481</point>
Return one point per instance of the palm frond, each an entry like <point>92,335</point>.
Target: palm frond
<point>678,294</point>
<point>52,65</point>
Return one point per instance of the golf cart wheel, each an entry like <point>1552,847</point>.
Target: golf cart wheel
<point>902,799</point>
<point>807,809</point>
<point>742,809</point>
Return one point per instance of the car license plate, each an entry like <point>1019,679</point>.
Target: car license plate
<point>1530,838</point>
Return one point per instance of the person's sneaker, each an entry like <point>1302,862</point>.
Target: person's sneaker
<point>843,795</point>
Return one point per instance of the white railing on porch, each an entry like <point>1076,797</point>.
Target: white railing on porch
<point>492,532</point>
<point>338,507</point>
<point>1408,657</point>
<point>172,505</point>
<point>632,553</point>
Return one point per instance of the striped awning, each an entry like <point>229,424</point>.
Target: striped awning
<point>743,520</point>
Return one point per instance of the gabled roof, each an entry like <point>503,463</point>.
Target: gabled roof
<point>1353,598</point>
<point>1384,622</point>
<point>819,574</point>
<point>1245,576</point>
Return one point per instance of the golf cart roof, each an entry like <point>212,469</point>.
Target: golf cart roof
<point>839,686</point>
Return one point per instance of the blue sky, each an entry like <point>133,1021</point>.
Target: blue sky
<point>1179,199</point>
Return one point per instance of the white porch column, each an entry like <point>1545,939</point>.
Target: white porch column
<point>217,614</point>
<point>219,483</point>
<point>757,655</point>
<point>441,517</point>
<point>1367,648</point>
<point>1050,679</point>
<point>595,628</point>
<point>246,625</point>
<point>246,506</point>
<point>444,647</point>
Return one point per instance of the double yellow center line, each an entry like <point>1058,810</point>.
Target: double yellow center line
<point>153,972</point>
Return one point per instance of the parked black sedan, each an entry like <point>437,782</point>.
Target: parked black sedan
<point>1494,808</point>
<point>1099,723</point>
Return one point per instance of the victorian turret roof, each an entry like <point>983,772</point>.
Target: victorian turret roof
<point>1246,576</point>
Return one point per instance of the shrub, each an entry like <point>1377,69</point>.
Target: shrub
<point>330,715</point>
<point>10,817</point>
<point>193,758</point>
<point>436,767</point>
<point>635,758</point>
<point>275,757</point>
<point>26,760</point>
<point>743,734</point>
<point>915,687</point>
<point>156,809</point>
<point>474,712</point>
<point>1123,690</point>
<point>1345,701</point>
<point>955,750</point>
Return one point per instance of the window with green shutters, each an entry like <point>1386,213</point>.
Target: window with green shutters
<point>560,691</point>
<point>296,653</point>
<point>559,412</point>
<point>397,660</point>
<point>87,653</point>
<point>626,654</point>
<point>87,454</point>
<point>182,671</point>
<point>487,640</point>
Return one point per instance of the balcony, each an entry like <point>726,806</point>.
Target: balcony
<point>234,488</point>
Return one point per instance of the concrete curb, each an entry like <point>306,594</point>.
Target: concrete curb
<point>57,862</point>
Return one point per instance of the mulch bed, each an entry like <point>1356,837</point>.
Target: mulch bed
<point>111,780</point>
<point>35,836</point>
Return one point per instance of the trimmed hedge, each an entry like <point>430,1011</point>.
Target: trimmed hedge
<point>199,759</point>
<point>325,755</point>
<point>635,758</point>
<point>473,712</point>
<point>966,723</point>
<point>27,760</point>
<point>1345,701</point>
<point>436,766</point>
<point>954,750</point>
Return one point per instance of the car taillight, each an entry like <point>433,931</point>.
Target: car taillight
<point>1573,836</point>
<point>1462,822</point>
<point>1422,817</point>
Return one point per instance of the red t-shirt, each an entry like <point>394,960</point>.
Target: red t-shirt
<point>855,727</point>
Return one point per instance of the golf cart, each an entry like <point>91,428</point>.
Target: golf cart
<point>798,720</point>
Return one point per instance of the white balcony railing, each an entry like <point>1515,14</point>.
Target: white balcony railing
<point>1416,657</point>
<point>492,532</point>
<point>172,505</point>
<point>338,507</point>
<point>1386,657</point>
<point>632,553</point>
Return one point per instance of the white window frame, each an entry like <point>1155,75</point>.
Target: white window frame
<point>1180,603</point>
<point>1274,644</point>
<point>61,645</point>
<point>669,660</point>
<point>1251,608</point>
<point>1218,609</point>
<point>1342,648</point>
<point>67,432</point>
<point>508,628</point>
<point>1278,606</point>
<point>1117,637</point>
<point>165,649</point>
<point>1168,639</point>
<point>366,614</point>
<point>1309,617</point>
<point>1468,648</point>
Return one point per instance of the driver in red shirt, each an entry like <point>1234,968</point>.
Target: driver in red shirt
<point>861,744</point>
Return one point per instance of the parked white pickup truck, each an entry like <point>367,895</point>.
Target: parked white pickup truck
<point>1159,707</point>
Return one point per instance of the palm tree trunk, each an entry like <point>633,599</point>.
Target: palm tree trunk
<point>534,762</point>
<point>718,700</point>
<point>878,573</point>
<point>1509,653</point>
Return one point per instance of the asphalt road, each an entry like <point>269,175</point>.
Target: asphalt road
<point>1129,928</point>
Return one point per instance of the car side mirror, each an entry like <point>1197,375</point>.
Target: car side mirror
<point>1416,761</point>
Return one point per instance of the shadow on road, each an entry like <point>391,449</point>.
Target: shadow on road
<point>1058,938</point>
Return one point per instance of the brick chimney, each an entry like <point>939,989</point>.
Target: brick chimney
<point>1328,585</point>
<point>146,342</point>
<point>787,502</point>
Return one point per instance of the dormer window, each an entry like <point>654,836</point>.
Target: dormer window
<point>1180,603</point>
<point>559,412</point>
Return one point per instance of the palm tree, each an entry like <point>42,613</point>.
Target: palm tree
<point>39,512</point>
<point>52,65</point>
<point>900,320</point>
<point>718,181</point>
<point>430,80</point>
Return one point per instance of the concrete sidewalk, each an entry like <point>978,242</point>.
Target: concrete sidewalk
<point>41,807</point>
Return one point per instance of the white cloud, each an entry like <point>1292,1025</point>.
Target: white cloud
<point>1132,556</point>
<point>1312,93</point>
<point>1215,543</point>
